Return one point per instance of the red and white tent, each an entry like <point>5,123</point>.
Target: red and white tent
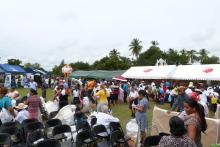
<point>196,72</point>
<point>149,72</point>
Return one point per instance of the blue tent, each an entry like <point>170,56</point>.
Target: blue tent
<point>29,70</point>
<point>12,69</point>
<point>1,71</point>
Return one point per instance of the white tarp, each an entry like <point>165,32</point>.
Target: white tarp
<point>66,114</point>
<point>196,72</point>
<point>51,106</point>
<point>149,72</point>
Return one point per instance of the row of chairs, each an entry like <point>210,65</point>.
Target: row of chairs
<point>31,131</point>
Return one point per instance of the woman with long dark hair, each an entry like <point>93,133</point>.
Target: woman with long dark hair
<point>195,123</point>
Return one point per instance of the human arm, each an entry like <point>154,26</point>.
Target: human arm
<point>191,129</point>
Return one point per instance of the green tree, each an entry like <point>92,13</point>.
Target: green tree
<point>135,47</point>
<point>112,62</point>
<point>192,55</point>
<point>80,65</point>
<point>211,60</point>
<point>34,65</point>
<point>57,70</point>
<point>172,57</point>
<point>203,55</point>
<point>183,57</point>
<point>149,57</point>
<point>154,43</point>
<point>14,61</point>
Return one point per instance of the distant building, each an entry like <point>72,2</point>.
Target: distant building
<point>161,62</point>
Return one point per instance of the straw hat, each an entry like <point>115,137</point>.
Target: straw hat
<point>190,85</point>
<point>21,106</point>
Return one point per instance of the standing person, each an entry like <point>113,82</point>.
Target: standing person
<point>34,105</point>
<point>90,87</point>
<point>182,96</point>
<point>141,113</point>
<point>44,89</point>
<point>109,95</point>
<point>76,95</point>
<point>195,123</point>
<point>32,84</point>
<point>178,137</point>
<point>115,92</point>
<point>5,102</point>
<point>52,83</point>
<point>63,96</point>
<point>133,99</point>
<point>101,96</point>
<point>126,91</point>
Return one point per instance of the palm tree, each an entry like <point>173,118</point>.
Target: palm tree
<point>135,47</point>
<point>114,53</point>
<point>183,52</point>
<point>192,56</point>
<point>154,43</point>
<point>203,55</point>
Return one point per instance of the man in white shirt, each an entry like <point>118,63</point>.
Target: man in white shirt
<point>33,85</point>
<point>23,113</point>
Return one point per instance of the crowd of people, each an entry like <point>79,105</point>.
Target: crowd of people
<point>193,101</point>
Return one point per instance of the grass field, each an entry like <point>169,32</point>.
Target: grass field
<point>120,110</point>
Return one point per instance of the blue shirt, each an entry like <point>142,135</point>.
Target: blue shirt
<point>143,102</point>
<point>5,102</point>
<point>125,87</point>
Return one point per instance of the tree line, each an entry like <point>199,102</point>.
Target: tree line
<point>141,57</point>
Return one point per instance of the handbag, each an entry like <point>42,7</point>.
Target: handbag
<point>5,115</point>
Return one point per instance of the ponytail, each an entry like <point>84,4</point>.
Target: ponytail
<point>200,111</point>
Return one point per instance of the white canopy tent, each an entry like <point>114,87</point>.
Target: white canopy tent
<point>196,72</point>
<point>149,72</point>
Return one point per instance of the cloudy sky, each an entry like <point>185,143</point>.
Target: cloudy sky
<point>47,31</point>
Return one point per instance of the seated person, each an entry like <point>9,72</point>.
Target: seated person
<point>22,112</point>
<point>79,116</point>
<point>178,137</point>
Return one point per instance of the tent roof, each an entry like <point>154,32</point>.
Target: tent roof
<point>97,74</point>
<point>149,72</point>
<point>29,70</point>
<point>12,68</point>
<point>80,73</point>
<point>197,72</point>
<point>1,71</point>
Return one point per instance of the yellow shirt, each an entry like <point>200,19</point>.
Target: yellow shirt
<point>102,96</point>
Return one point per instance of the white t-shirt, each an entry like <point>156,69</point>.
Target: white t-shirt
<point>22,115</point>
<point>33,85</point>
<point>133,94</point>
<point>188,91</point>
<point>75,93</point>
<point>109,91</point>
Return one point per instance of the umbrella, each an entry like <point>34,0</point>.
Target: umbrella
<point>120,78</point>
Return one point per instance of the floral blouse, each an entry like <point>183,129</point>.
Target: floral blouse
<point>172,141</point>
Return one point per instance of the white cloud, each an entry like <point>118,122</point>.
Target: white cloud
<point>47,31</point>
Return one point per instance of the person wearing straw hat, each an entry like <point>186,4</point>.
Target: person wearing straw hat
<point>190,88</point>
<point>182,96</point>
<point>22,112</point>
